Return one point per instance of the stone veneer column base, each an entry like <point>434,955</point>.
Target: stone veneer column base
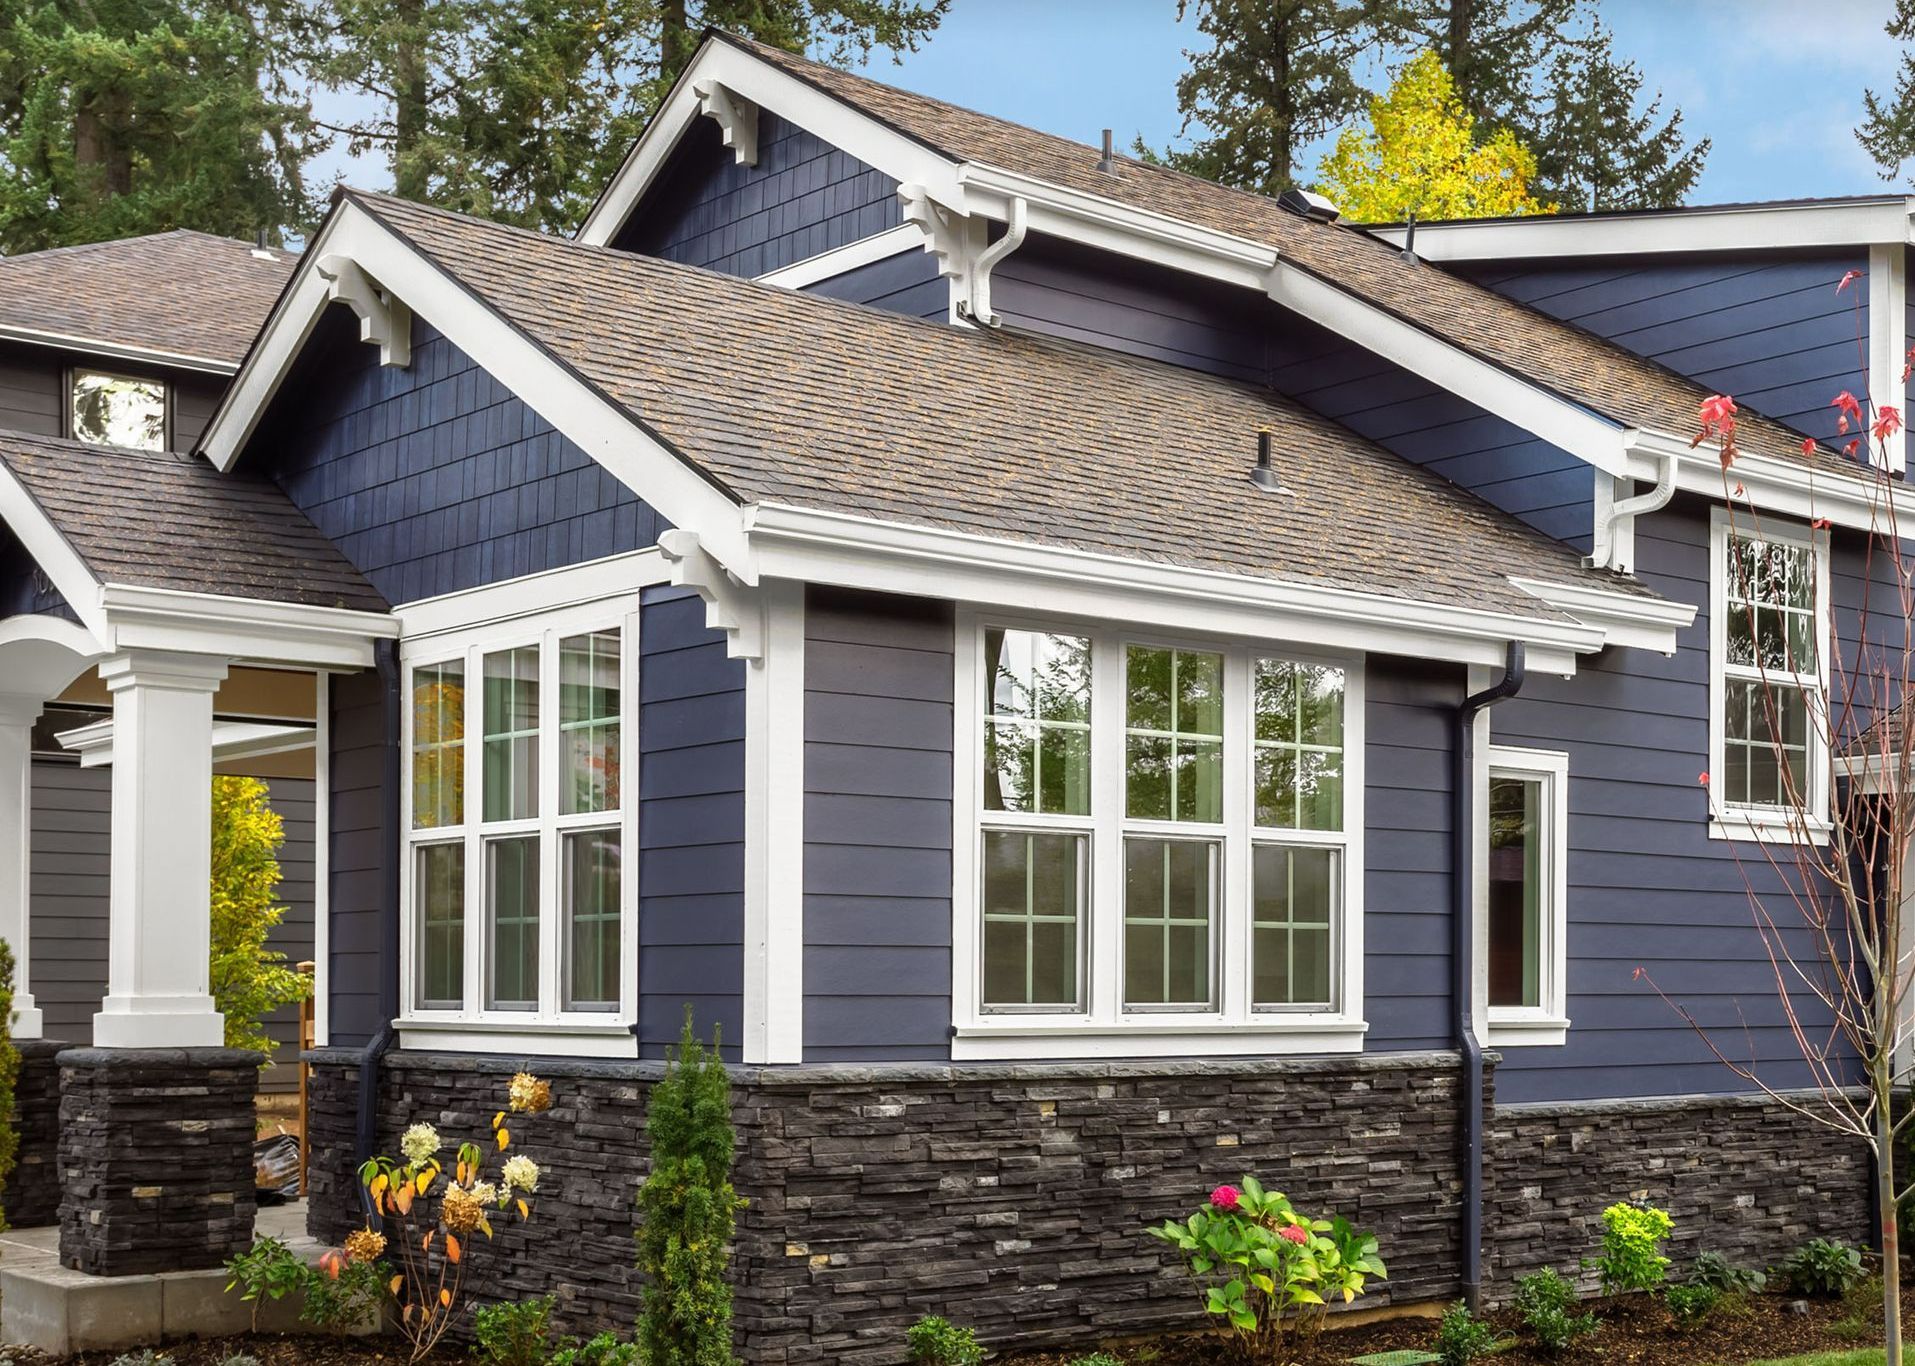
<point>32,1196</point>
<point>156,1158</point>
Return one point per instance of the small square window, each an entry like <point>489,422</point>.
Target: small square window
<point>117,410</point>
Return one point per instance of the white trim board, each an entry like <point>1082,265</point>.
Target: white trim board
<point>100,348</point>
<point>828,265</point>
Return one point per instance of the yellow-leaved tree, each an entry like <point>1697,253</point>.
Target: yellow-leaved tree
<point>249,980</point>
<point>1420,155</point>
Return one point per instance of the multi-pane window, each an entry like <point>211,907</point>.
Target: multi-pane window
<point>1162,829</point>
<point>537,847</point>
<point>117,410</point>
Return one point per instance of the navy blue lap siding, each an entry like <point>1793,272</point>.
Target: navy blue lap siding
<point>906,283</point>
<point>877,881</point>
<point>803,197</point>
<point>691,825</point>
<point>436,477</point>
<point>24,587</point>
<point>356,887</point>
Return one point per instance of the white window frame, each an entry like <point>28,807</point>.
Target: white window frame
<point>1546,1023</point>
<point>1103,1027</point>
<point>472,1026</point>
<point>1766,824</point>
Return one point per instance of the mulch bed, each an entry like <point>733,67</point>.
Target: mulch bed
<point>268,1350</point>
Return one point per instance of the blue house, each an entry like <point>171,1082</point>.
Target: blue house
<point>1090,682</point>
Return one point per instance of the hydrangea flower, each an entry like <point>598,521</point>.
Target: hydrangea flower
<point>1293,1234</point>
<point>461,1211</point>
<point>528,1094</point>
<point>1225,1198</point>
<point>365,1245</point>
<point>520,1174</point>
<point>420,1143</point>
<point>485,1193</point>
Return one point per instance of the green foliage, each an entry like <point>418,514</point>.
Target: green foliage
<point>1461,1337</point>
<point>1547,1304</point>
<point>1268,1272</point>
<point>688,1211</point>
<point>268,1270</point>
<point>9,1074</point>
<point>514,1333</point>
<point>335,1297</point>
<point>239,1359</point>
<point>1823,1266</point>
<point>250,981</point>
<point>1887,133</point>
<point>1715,1271</point>
<point>606,1349</point>
<point>1632,1248</point>
<point>1402,1356</point>
<point>934,1341</point>
<point>1691,1304</point>
<point>1098,1359</point>
<point>144,1357</point>
<point>1861,1317</point>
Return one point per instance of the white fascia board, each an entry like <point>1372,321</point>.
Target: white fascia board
<point>590,420</point>
<point>614,576</point>
<point>141,618</point>
<point>1785,487</point>
<point>112,350</point>
<point>855,552</point>
<point>231,740</point>
<point>1624,618</point>
<point>796,101</point>
<point>47,548</point>
<point>827,265</point>
<point>1536,410</point>
<point>1752,227</point>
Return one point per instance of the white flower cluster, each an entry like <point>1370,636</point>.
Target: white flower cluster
<point>521,1174</point>
<point>420,1143</point>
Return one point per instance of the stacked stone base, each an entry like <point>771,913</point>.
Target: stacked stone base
<point>156,1158</point>
<point>32,1196</point>
<point>1013,1199</point>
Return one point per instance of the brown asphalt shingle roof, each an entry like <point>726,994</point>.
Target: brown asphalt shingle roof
<point>1573,363</point>
<point>188,293</point>
<point>780,396</point>
<point>158,520</point>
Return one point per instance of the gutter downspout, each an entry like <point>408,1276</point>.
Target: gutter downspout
<point>1463,964</point>
<point>978,306</point>
<point>1617,522</point>
<point>367,1127</point>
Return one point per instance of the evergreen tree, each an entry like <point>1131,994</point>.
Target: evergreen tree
<point>122,117</point>
<point>1492,49</point>
<point>1888,132</point>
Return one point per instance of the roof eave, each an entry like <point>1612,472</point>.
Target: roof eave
<point>107,349</point>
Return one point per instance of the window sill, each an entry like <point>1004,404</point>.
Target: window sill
<point>1762,828</point>
<point>1527,1031</point>
<point>1013,1041</point>
<point>567,1039</point>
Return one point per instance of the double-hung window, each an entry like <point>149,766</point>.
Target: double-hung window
<point>519,906</point>
<point>1768,683</point>
<point>1153,843</point>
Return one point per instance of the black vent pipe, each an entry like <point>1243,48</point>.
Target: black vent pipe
<point>1463,963</point>
<point>367,1132</point>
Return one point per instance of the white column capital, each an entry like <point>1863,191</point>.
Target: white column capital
<point>18,709</point>
<point>175,672</point>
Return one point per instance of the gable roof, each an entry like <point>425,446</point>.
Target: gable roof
<point>156,520</point>
<point>779,397</point>
<point>182,298</point>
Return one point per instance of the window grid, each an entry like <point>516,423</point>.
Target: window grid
<point>1028,920</point>
<point>1306,759</point>
<point>1290,925</point>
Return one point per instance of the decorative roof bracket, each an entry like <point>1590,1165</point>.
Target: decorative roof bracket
<point>384,319</point>
<point>730,606</point>
<point>963,249</point>
<point>736,117</point>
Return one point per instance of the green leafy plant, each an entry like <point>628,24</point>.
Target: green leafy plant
<point>1547,1304</point>
<point>516,1333</point>
<point>605,1349</point>
<point>1824,1267</point>
<point>268,1270</point>
<point>1861,1310</point>
<point>1098,1359</point>
<point>1632,1241</point>
<point>1691,1304</point>
<point>1398,1356</point>
<point>249,980</point>
<point>343,1293</point>
<point>688,1211</point>
<point>144,1357</point>
<point>239,1359</point>
<point>1718,1273</point>
<point>934,1341</point>
<point>9,1074</point>
<point>1461,1337</point>
<point>1269,1272</point>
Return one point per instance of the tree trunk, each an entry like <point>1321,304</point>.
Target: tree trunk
<point>675,39</point>
<point>1282,101</point>
<point>1891,1241</point>
<point>410,176</point>
<point>1461,54</point>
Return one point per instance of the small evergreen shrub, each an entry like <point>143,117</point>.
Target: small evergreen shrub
<point>1691,1304</point>
<point>1462,1337</point>
<point>514,1333</point>
<point>1632,1248</point>
<point>689,1211</point>
<point>1824,1267</point>
<point>934,1341</point>
<point>605,1349</point>
<point>1861,1311</point>
<point>239,1359</point>
<point>144,1357</point>
<point>1547,1305</point>
<point>1715,1271</point>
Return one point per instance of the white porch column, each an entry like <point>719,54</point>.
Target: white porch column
<point>17,715</point>
<point>159,903</point>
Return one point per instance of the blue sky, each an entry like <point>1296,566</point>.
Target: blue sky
<point>1776,83</point>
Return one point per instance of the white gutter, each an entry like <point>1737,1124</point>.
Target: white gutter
<point>1615,530</point>
<point>978,306</point>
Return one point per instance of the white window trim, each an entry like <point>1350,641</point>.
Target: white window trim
<point>1546,1024</point>
<point>472,1027</point>
<point>1104,1028</point>
<point>1775,825</point>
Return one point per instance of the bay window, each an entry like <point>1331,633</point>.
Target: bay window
<point>1152,842</point>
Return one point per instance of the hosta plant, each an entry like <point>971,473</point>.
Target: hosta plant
<point>1268,1272</point>
<point>430,1214</point>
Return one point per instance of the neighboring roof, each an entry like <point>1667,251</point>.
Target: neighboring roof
<point>778,396</point>
<point>181,296</point>
<point>157,520</point>
<point>1575,364</point>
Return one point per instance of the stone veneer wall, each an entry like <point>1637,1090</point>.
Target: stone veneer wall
<point>32,1196</point>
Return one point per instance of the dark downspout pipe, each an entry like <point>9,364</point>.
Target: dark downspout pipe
<point>383,1038</point>
<point>1463,962</point>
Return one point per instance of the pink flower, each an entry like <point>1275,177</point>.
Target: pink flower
<point>1291,1233</point>
<point>1225,1198</point>
<point>1848,280</point>
<point>1703,778</point>
<point>1808,445</point>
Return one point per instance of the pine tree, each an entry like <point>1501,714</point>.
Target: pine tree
<point>1492,49</point>
<point>1888,132</point>
<point>124,117</point>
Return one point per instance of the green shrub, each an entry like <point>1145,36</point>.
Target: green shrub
<point>239,1359</point>
<point>1462,1337</point>
<point>606,1349</point>
<point>342,1293</point>
<point>1632,1248</point>
<point>145,1357</point>
<point>9,1074</point>
<point>268,1270</point>
<point>1098,1359</point>
<point>689,1211</point>
<point>1824,1267</point>
<point>933,1341</point>
<point>1547,1304</point>
<point>1861,1311</point>
<point>248,980</point>
<point>515,1333</point>
<point>1715,1271</point>
<point>1691,1304</point>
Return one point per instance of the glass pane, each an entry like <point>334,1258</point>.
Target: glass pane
<point>112,410</point>
<point>1753,754</point>
<point>1771,605</point>
<point>512,734</point>
<point>1033,896</point>
<point>592,904</point>
<point>1037,722</point>
<point>1149,674</point>
<point>589,709</point>
<point>1291,905</point>
<point>1516,892</point>
<point>1174,750</point>
<point>1169,902</point>
<point>512,914</point>
<point>438,745</point>
<point>1298,746</point>
<point>438,898</point>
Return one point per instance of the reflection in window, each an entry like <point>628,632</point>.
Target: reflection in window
<point>439,890</point>
<point>1771,671</point>
<point>1515,891</point>
<point>512,913</point>
<point>1174,735</point>
<point>1293,891</point>
<point>588,723</point>
<point>117,410</point>
<point>1170,903</point>
<point>438,745</point>
<point>592,915</point>
<point>1033,903</point>
<point>1037,723</point>
<point>1299,745</point>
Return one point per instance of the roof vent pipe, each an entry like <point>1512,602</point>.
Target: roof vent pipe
<point>1409,239</point>
<point>1109,164</point>
<point>1263,474</point>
